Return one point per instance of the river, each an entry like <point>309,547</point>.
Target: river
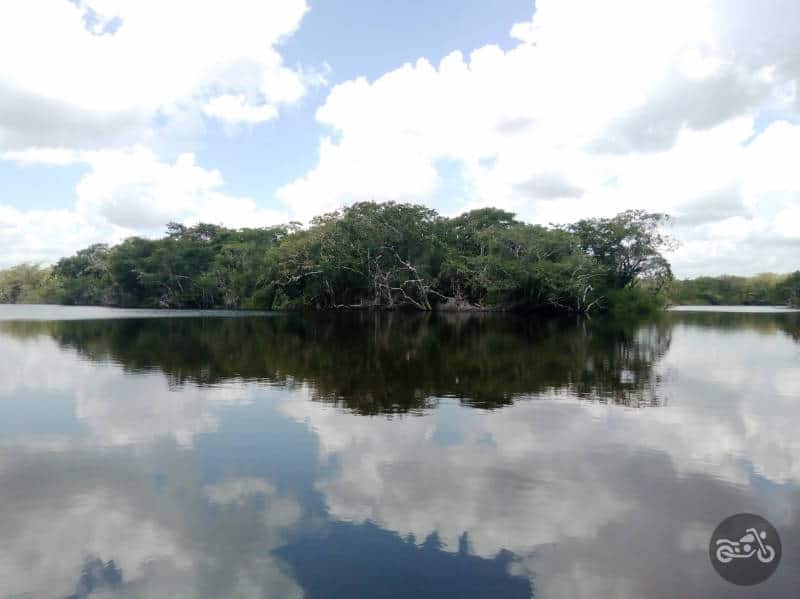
<point>210,455</point>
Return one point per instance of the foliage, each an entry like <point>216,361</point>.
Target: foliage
<point>789,289</point>
<point>205,266</point>
<point>368,255</point>
<point>634,302</point>
<point>26,284</point>
<point>378,256</point>
<point>627,246</point>
<point>762,289</point>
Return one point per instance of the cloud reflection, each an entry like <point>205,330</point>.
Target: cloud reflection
<point>585,492</point>
<point>150,513</point>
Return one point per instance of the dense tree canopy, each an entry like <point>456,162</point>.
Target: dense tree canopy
<point>381,256</point>
<point>627,246</point>
<point>26,283</point>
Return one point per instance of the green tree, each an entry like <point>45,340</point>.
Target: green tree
<point>27,284</point>
<point>85,277</point>
<point>628,245</point>
<point>379,256</point>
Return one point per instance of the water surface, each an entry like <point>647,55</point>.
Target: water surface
<point>736,309</point>
<point>397,455</point>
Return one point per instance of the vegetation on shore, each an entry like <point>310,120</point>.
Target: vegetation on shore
<point>28,284</point>
<point>370,255</point>
<point>766,289</point>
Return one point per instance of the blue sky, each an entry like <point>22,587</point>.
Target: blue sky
<point>354,38</point>
<point>117,116</point>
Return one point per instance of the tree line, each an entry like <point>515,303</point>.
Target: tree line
<point>763,289</point>
<point>369,255</point>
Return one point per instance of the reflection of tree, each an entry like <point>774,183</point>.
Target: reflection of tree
<point>97,575</point>
<point>362,560</point>
<point>767,323</point>
<point>387,363</point>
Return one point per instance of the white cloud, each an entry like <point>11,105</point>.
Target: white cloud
<point>43,235</point>
<point>37,155</point>
<point>599,108</point>
<point>235,109</point>
<point>102,82</point>
<point>689,107</point>
<point>126,192</point>
<point>100,72</point>
<point>135,191</point>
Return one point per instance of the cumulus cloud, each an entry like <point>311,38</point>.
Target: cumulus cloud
<point>599,108</point>
<point>126,192</point>
<point>102,82</point>
<point>726,203</point>
<point>43,235</point>
<point>95,73</point>
<point>136,191</point>
<point>548,186</point>
<point>236,110</point>
<point>38,155</point>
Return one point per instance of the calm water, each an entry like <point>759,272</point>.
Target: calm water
<point>393,456</point>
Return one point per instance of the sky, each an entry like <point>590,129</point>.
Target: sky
<point>118,116</point>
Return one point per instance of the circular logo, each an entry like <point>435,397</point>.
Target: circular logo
<point>745,549</point>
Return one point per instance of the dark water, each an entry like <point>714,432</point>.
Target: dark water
<point>393,456</point>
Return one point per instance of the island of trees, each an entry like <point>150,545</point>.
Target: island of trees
<point>378,256</point>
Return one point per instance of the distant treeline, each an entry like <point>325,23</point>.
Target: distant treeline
<point>764,289</point>
<point>369,255</point>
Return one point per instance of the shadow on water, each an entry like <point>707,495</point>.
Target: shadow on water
<point>764,323</point>
<point>394,568</point>
<point>386,363</point>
